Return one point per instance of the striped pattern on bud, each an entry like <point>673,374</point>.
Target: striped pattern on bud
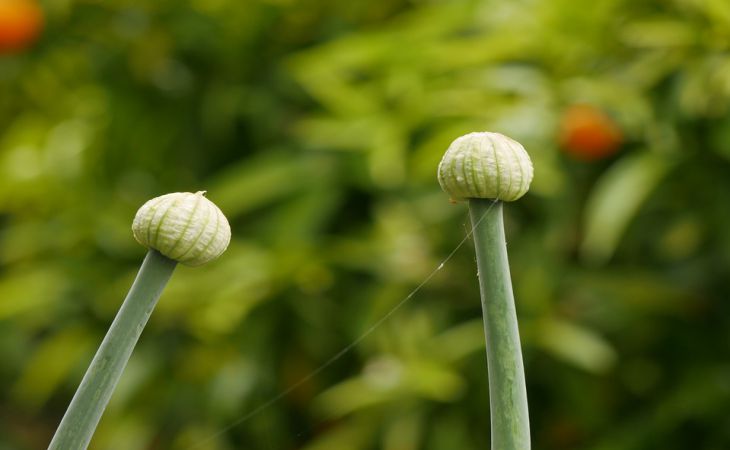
<point>183,226</point>
<point>485,165</point>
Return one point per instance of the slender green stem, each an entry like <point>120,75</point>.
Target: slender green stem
<point>92,396</point>
<point>507,392</point>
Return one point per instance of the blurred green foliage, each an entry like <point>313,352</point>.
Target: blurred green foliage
<point>317,125</point>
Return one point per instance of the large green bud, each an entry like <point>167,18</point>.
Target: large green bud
<point>485,165</point>
<point>183,226</point>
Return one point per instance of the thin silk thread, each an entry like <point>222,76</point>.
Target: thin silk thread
<point>348,347</point>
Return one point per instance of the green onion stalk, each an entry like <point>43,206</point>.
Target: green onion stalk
<point>487,169</point>
<point>181,227</point>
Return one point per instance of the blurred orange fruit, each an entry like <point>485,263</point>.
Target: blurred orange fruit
<point>20,24</point>
<point>587,133</point>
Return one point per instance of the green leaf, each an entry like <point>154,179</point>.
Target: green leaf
<point>616,200</point>
<point>577,345</point>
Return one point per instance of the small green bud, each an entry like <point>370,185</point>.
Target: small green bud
<point>485,165</point>
<point>183,226</point>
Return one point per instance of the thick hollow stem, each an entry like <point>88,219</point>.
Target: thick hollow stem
<point>507,392</point>
<point>92,396</point>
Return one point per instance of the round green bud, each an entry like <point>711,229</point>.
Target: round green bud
<point>183,226</point>
<point>485,165</point>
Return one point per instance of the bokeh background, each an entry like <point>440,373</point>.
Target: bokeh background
<point>317,126</point>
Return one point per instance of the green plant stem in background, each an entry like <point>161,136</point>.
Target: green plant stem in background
<point>92,396</point>
<point>507,391</point>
